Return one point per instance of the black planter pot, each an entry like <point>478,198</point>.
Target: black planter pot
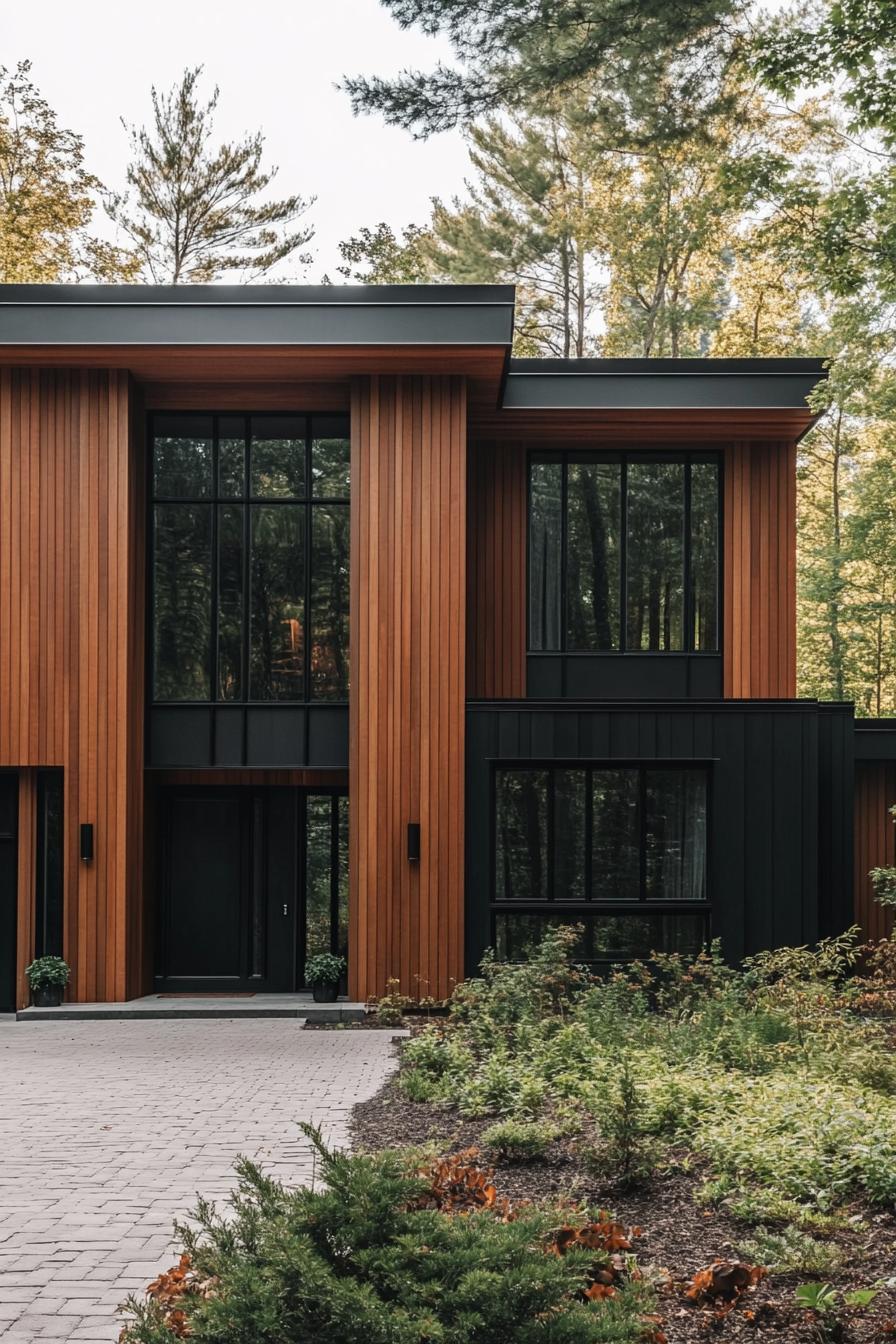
<point>325,993</point>
<point>47,996</point>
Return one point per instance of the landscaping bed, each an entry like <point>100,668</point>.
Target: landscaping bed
<point>740,1116</point>
<point>679,1236</point>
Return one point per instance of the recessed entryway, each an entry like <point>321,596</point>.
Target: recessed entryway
<point>251,880</point>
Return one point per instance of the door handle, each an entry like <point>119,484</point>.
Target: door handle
<point>286,909</point>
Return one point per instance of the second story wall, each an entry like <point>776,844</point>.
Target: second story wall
<point>757,583</point>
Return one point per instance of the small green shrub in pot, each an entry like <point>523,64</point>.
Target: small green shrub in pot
<point>322,974</point>
<point>48,977</point>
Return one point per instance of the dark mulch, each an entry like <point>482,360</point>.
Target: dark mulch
<point>677,1235</point>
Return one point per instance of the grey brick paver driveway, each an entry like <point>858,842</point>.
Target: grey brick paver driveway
<point>109,1129</point>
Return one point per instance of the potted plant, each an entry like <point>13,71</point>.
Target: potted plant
<point>48,977</point>
<point>322,974</point>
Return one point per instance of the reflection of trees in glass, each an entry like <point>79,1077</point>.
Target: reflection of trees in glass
<point>329,601</point>
<point>643,838</point>
<point>704,554</point>
<point>182,586</point>
<point>569,835</point>
<point>326,874</point>
<point>268,589</point>
<point>545,552</point>
<point>615,840</point>
<point>230,601</point>
<point>330,458</point>
<point>605,937</point>
<point>675,803</point>
<point>655,555</point>
<point>318,852</point>
<point>277,593</point>
<point>277,457</point>
<point>592,567</point>
<point>522,838</point>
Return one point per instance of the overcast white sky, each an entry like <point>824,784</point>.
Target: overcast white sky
<point>276,65</point>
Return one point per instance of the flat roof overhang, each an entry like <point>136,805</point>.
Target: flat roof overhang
<point>262,333</point>
<point>657,399</point>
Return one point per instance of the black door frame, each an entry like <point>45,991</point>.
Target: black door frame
<point>283,877</point>
<point>9,855</point>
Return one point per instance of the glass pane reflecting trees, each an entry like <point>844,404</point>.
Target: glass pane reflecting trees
<point>250,548</point>
<point>623,553</point>
<point>601,835</point>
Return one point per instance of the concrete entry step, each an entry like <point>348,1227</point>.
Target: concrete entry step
<point>214,1005</point>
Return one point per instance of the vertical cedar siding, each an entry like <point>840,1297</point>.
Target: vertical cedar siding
<point>71,650</point>
<point>759,571</point>
<point>875,841</point>
<point>496,571</point>
<point>406,750</point>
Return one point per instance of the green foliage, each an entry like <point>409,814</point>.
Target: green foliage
<point>378,256</point>
<point>194,213</point>
<point>792,1251</point>
<point>47,971</point>
<point>771,1074</point>
<point>390,1007</point>
<point>47,196</point>
<point>324,968</point>
<point>658,61</point>
<point>517,1140</point>
<point>354,1262</point>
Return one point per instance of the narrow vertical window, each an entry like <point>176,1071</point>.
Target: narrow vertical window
<point>545,553</point>
<point>522,835</point>
<point>278,603</point>
<point>655,556</point>
<point>704,556</point>
<point>182,601</point>
<point>592,565</point>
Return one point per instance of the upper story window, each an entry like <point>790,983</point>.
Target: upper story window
<point>623,553</point>
<point>249,557</point>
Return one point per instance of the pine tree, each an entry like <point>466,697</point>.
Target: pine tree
<point>47,196</point>
<point>196,213</point>
<point>378,256</point>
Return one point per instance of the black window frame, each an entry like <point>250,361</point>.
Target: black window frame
<point>215,500</point>
<point>591,906</point>
<point>688,458</point>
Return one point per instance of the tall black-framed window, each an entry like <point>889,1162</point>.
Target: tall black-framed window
<point>623,552</point>
<point>621,849</point>
<point>249,557</point>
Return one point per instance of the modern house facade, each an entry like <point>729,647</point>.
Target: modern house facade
<point>327,624</point>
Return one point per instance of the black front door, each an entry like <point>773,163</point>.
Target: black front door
<point>248,879</point>
<point>8,850</point>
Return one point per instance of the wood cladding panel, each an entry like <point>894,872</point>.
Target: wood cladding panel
<point>71,645</point>
<point>874,841</point>
<point>406,753</point>
<point>237,396</point>
<point>759,571</point>
<point>496,571</point>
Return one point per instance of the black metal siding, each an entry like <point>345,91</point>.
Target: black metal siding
<point>780,800</point>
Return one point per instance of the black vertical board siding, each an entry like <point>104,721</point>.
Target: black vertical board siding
<point>728,894</point>
<point>836,780</point>
<point>780,862</point>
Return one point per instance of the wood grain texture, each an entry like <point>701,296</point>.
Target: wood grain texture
<point>633,428</point>
<point>406,752</point>
<point>496,571</point>
<point>759,571</point>
<point>875,841</point>
<point>243,396</point>
<point>71,643</point>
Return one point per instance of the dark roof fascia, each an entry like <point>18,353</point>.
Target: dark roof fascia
<point>875,739</point>
<point>263,315</point>
<point>662,384</point>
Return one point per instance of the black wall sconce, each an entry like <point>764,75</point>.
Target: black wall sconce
<point>87,841</point>
<point>413,842</point>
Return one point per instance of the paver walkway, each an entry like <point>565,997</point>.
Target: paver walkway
<point>109,1129</point>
